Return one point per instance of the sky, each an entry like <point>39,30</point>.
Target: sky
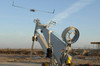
<point>17,26</point>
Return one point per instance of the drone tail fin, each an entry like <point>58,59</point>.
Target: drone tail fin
<point>53,11</point>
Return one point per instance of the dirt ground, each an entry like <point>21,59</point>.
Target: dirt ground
<point>80,56</point>
<point>19,64</point>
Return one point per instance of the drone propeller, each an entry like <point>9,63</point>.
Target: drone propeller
<point>33,10</point>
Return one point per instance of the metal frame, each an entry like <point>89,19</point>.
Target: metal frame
<point>50,40</point>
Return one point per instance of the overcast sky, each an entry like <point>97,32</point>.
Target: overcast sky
<point>17,26</point>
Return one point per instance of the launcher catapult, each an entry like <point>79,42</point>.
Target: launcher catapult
<point>55,49</point>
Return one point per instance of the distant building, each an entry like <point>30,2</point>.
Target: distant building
<point>97,44</point>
